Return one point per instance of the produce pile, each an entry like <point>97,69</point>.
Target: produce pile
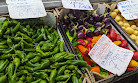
<point>84,29</point>
<point>31,52</point>
<point>131,27</point>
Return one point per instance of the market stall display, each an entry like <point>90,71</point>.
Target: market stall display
<point>84,29</point>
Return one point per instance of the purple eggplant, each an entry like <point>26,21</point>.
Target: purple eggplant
<point>66,19</point>
<point>80,27</point>
<point>85,24</point>
<point>64,27</point>
<point>71,31</point>
<point>106,19</point>
<point>91,20</point>
<point>108,26</point>
<point>80,35</point>
<point>96,16</point>
<point>89,33</point>
<point>98,24</point>
<point>101,16</point>
<point>96,32</point>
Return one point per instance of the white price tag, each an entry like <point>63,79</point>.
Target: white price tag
<point>129,9</point>
<point>27,10</point>
<point>110,56</point>
<point>20,1</point>
<point>77,4</point>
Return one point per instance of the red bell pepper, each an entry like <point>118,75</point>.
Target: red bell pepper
<point>89,46</point>
<point>130,68</point>
<point>89,62</point>
<point>82,42</point>
<point>108,36</point>
<point>135,56</point>
<point>89,38</point>
<point>112,34</point>
<point>118,38</point>
<point>124,43</point>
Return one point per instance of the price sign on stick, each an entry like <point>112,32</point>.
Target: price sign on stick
<point>26,9</point>
<point>110,57</point>
<point>129,9</point>
<point>77,4</point>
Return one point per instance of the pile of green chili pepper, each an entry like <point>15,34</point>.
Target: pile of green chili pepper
<point>33,53</point>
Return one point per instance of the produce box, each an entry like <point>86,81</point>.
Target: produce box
<point>128,27</point>
<point>33,50</point>
<point>79,38</point>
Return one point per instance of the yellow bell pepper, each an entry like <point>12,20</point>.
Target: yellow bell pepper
<point>117,43</point>
<point>133,63</point>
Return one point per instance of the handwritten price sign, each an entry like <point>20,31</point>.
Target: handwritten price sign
<point>110,57</point>
<point>77,4</point>
<point>27,10</point>
<point>129,9</point>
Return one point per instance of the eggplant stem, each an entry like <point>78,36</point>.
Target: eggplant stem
<point>106,14</point>
<point>95,11</point>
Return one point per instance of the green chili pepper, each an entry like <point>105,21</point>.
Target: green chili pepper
<point>3,47</point>
<point>29,78</point>
<point>74,36</point>
<point>62,46</point>
<point>75,43</point>
<point>37,33</point>
<point>74,79</point>
<point>3,79</point>
<point>5,56</point>
<point>46,70</point>
<point>3,42</point>
<point>35,59</point>
<point>1,74</point>
<point>40,51</point>
<point>55,65</point>
<point>28,39</point>
<point>10,70</point>
<point>67,72</point>
<point>59,54</point>
<point>27,44</point>
<point>15,29</point>
<point>16,62</point>
<point>61,70</point>
<point>62,63</point>
<point>46,46</point>
<point>44,76</point>
<point>22,78</point>
<point>17,39</point>
<point>4,65</point>
<point>77,62</point>
<point>63,77</point>
<point>37,81</point>
<point>33,65</point>
<point>39,38</point>
<point>49,36</point>
<point>13,79</point>
<point>30,69</point>
<point>70,56</point>
<point>21,67</point>
<point>68,34</point>
<point>19,81</point>
<point>53,75</point>
<point>22,72</point>
<point>20,54</point>
<point>29,56</point>
<point>56,50</point>
<point>9,42</point>
<point>71,67</point>
<point>43,81</point>
<point>8,31</point>
<point>78,53</point>
<point>44,34</point>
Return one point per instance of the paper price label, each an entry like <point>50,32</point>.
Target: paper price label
<point>110,57</point>
<point>20,1</point>
<point>26,10</point>
<point>129,9</point>
<point>77,4</point>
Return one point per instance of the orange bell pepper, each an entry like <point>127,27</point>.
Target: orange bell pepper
<point>82,49</point>
<point>95,69</point>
